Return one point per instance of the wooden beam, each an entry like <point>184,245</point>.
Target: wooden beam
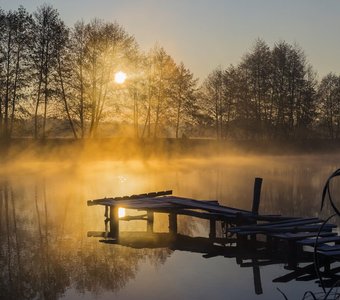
<point>257,195</point>
<point>150,220</point>
<point>321,240</point>
<point>173,223</point>
<point>114,222</point>
<point>212,232</point>
<point>133,197</point>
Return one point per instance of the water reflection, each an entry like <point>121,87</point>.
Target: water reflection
<point>44,219</point>
<point>251,252</point>
<point>45,251</point>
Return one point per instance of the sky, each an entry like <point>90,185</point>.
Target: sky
<point>206,34</point>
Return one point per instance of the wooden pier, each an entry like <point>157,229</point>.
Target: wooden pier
<point>248,235</point>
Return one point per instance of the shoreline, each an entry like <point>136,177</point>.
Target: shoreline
<point>129,148</point>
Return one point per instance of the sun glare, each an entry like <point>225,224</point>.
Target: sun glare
<point>120,77</point>
<point>121,212</point>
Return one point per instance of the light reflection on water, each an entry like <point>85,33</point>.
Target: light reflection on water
<point>46,254</point>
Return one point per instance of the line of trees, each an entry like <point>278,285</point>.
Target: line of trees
<point>58,81</point>
<point>271,93</point>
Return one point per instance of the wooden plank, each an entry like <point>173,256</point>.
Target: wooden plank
<point>310,269</point>
<point>272,218</point>
<point>298,229</point>
<point>133,218</point>
<point>122,202</point>
<point>259,263</point>
<point>132,197</point>
<point>211,208</point>
<point>299,236</point>
<point>311,242</point>
<point>257,195</point>
<point>202,204</point>
<point>260,227</point>
<point>213,202</point>
<point>308,277</point>
<point>142,196</point>
<point>138,203</point>
<point>330,253</point>
<point>293,229</point>
<point>142,203</point>
<point>296,223</point>
<point>277,224</point>
<point>201,215</point>
<point>325,247</point>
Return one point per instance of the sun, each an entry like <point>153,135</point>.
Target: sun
<point>121,212</point>
<point>120,77</point>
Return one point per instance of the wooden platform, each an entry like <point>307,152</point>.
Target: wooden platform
<point>285,237</point>
<point>244,224</point>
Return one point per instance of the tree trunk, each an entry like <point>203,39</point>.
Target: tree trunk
<point>36,110</point>
<point>39,93</point>
<point>82,123</point>
<point>1,119</point>
<point>46,71</point>
<point>178,117</point>
<point>94,102</point>
<point>6,124</point>
<point>65,100</point>
<point>15,91</point>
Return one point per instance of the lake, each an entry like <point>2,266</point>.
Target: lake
<point>45,252</point>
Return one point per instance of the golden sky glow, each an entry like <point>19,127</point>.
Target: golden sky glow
<point>120,77</point>
<point>230,26</point>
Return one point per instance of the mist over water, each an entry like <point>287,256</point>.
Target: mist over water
<point>45,251</point>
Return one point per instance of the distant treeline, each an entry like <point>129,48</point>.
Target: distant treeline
<point>57,81</point>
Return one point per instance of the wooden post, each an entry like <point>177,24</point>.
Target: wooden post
<point>150,216</point>
<point>173,223</point>
<point>212,233</point>
<point>292,254</point>
<point>257,278</point>
<point>257,195</point>
<point>114,222</point>
<point>327,267</point>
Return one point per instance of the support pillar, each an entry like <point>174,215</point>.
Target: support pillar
<point>257,195</point>
<point>173,223</point>
<point>212,233</point>
<point>257,278</point>
<point>150,219</point>
<point>114,222</point>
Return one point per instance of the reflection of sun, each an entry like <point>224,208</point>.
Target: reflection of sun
<point>121,212</point>
<point>120,77</point>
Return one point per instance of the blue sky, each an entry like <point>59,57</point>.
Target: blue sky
<point>207,33</point>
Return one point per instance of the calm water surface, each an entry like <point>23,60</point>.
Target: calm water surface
<point>45,252</point>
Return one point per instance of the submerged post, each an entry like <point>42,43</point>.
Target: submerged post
<point>150,218</point>
<point>114,222</point>
<point>257,195</point>
<point>212,232</point>
<point>257,278</point>
<point>173,223</point>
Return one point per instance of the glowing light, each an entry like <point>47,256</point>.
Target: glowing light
<point>120,77</point>
<point>121,212</point>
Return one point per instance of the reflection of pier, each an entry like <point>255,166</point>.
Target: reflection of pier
<point>254,240</point>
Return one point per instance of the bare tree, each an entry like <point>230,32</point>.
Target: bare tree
<point>212,99</point>
<point>15,42</point>
<point>329,104</point>
<point>64,71</point>
<point>44,56</point>
<point>160,73</point>
<point>184,87</point>
<point>79,37</point>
